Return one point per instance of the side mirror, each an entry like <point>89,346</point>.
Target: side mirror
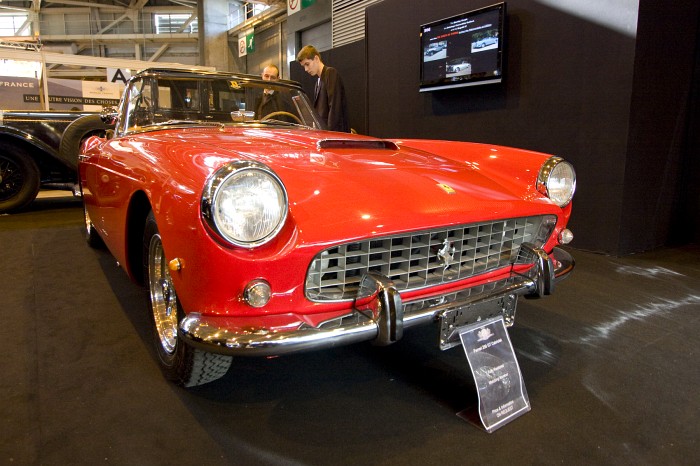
<point>109,115</point>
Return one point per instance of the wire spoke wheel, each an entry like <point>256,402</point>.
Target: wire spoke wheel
<point>181,363</point>
<point>19,178</point>
<point>11,178</point>
<point>162,295</point>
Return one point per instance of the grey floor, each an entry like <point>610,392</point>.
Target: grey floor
<point>610,363</point>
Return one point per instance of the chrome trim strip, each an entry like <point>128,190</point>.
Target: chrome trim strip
<point>367,323</point>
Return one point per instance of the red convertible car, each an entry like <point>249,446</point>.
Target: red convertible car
<point>257,232</point>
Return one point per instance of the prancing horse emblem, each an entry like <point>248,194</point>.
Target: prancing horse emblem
<point>447,188</point>
<point>447,253</point>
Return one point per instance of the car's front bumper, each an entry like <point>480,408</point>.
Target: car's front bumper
<point>380,315</point>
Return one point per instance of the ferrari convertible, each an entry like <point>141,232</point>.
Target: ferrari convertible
<point>255,231</point>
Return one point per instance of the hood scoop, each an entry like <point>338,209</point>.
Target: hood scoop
<point>356,144</point>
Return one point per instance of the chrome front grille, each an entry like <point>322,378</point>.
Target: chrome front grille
<point>425,258</point>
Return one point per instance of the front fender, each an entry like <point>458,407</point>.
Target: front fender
<point>516,168</point>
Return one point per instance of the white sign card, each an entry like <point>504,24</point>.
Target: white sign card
<point>499,383</point>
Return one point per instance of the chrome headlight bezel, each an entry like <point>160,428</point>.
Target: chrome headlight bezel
<point>229,177</point>
<point>557,181</point>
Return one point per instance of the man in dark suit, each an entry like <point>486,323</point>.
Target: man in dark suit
<point>329,94</point>
<point>271,100</point>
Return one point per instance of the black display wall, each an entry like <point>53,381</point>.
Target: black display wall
<point>686,224</point>
<point>617,105</point>
<point>662,170</point>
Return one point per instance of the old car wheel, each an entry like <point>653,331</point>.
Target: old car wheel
<point>182,364</point>
<point>19,179</point>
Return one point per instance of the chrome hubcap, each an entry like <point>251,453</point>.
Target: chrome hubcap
<point>162,295</point>
<point>88,222</point>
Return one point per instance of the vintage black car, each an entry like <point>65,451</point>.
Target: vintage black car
<point>40,150</point>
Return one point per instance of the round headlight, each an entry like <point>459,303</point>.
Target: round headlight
<point>245,203</point>
<point>557,181</point>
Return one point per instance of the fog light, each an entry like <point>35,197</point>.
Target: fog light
<point>566,236</point>
<point>257,293</point>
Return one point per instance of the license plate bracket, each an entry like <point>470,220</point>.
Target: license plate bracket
<point>452,320</point>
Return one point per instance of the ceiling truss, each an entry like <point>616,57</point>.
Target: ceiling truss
<point>108,29</point>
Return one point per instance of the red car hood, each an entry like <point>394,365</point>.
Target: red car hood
<point>359,190</point>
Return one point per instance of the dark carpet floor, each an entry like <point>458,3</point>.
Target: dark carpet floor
<point>610,362</point>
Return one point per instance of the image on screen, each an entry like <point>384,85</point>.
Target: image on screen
<point>463,50</point>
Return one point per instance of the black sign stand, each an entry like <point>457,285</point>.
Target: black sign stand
<point>499,383</point>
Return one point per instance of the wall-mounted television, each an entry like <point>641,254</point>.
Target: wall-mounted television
<point>463,50</point>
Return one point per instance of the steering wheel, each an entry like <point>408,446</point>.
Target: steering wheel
<point>270,116</point>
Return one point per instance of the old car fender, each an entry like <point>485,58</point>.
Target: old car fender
<point>12,134</point>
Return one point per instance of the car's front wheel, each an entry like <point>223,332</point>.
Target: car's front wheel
<point>92,238</point>
<point>181,363</point>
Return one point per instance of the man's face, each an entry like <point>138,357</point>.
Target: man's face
<point>311,66</point>
<point>270,74</point>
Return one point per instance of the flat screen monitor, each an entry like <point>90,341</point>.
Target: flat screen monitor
<point>463,50</point>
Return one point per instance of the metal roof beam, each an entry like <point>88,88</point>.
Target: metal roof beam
<point>109,38</point>
<point>94,62</point>
<point>89,5</point>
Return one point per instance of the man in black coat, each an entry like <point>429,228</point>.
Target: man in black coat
<point>329,94</point>
<point>272,101</point>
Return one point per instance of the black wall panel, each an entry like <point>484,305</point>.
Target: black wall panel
<point>622,107</point>
<point>662,170</point>
<point>566,91</point>
<point>572,87</point>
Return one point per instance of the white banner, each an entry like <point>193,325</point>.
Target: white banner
<point>97,95</point>
<point>19,93</point>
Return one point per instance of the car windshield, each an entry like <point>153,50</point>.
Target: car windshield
<point>156,101</point>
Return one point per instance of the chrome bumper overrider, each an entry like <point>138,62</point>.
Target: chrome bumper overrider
<point>381,316</point>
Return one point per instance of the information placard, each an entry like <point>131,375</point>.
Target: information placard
<point>499,383</point>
